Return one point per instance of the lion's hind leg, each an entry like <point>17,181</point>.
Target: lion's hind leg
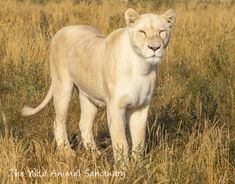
<point>87,118</point>
<point>61,97</point>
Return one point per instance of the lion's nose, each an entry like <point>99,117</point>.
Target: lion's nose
<point>154,47</point>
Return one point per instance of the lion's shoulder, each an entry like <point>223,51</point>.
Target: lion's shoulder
<point>115,37</point>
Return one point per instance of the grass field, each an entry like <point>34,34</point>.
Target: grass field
<point>191,123</point>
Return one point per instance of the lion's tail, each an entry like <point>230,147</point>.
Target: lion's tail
<point>28,111</point>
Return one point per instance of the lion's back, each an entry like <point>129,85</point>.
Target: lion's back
<point>70,35</point>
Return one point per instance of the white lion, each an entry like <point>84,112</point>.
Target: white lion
<point>118,71</point>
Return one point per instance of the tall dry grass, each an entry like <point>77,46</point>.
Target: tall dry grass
<point>190,135</point>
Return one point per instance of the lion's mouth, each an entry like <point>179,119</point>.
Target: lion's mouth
<point>155,56</point>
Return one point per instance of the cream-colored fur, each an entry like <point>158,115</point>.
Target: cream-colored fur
<point>118,71</point>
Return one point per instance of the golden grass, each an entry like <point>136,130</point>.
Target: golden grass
<point>190,136</point>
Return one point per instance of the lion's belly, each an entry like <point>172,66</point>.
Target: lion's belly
<point>86,71</point>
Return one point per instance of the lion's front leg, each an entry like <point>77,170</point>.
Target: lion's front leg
<point>137,122</point>
<point>117,125</point>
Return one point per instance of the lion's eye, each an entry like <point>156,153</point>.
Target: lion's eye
<point>162,34</point>
<point>142,32</point>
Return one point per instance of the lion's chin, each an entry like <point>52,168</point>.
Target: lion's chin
<point>153,59</point>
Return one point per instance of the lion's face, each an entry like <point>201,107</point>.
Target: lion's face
<point>149,33</point>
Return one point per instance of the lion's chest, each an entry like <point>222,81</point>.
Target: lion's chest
<point>136,91</point>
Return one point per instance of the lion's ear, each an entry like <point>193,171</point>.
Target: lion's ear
<point>169,16</point>
<point>131,16</point>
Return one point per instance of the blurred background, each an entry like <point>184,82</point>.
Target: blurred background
<point>191,123</point>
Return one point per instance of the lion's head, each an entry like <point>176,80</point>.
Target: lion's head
<point>149,33</point>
